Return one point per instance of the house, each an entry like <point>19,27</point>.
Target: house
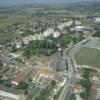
<point>18,44</point>
<point>77,22</point>
<point>10,93</point>
<point>48,32</point>
<point>78,97</point>
<point>29,38</point>
<point>93,92</point>
<point>97,19</point>
<point>78,89</point>
<point>22,76</point>
<point>39,36</point>
<point>96,76</point>
<point>61,26</point>
<point>7,56</point>
<point>69,23</point>
<point>80,28</point>
<point>96,80</point>
<point>98,95</point>
<point>10,58</point>
<point>56,34</point>
<point>4,52</point>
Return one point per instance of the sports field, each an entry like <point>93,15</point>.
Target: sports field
<point>88,56</point>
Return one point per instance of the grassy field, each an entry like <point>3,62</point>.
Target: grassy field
<point>6,37</point>
<point>13,19</point>
<point>88,56</point>
<point>8,17</point>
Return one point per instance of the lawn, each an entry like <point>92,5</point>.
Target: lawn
<point>6,37</point>
<point>88,56</point>
<point>13,19</point>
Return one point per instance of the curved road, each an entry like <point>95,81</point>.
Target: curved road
<point>68,55</point>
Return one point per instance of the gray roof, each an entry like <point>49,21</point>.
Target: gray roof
<point>11,90</point>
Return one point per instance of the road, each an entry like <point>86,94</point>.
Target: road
<point>68,55</point>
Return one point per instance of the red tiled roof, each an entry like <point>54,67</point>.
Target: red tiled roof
<point>93,92</point>
<point>22,75</point>
<point>78,86</point>
<point>97,74</point>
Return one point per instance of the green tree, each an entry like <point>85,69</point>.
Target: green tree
<point>7,83</point>
<point>14,48</point>
<point>27,52</point>
<point>72,97</point>
<point>53,83</point>
<point>84,95</point>
<point>23,44</point>
<point>22,85</point>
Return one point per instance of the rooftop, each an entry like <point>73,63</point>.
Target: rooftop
<point>24,74</point>
<point>11,90</point>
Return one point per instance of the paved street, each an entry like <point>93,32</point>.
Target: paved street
<point>69,56</point>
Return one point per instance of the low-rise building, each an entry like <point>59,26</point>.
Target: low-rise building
<point>48,32</point>
<point>78,89</point>
<point>85,29</point>
<point>29,38</point>
<point>78,97</point>
<point>93,92</point>
<point>61,26</point>
<point>77,22</point>
<point>22,76</point>
<point>10,93</point>
<point>18,44</point>
<point>96,77</point>
<point>97,19</point>
<point>98,95</point>
<point>56,34</point>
